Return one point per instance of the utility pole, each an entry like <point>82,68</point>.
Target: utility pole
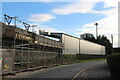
<point>79,46</point>
<point>112,39</point>
<point>96,24</point>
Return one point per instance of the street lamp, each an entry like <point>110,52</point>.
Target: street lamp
<point>96,24</point>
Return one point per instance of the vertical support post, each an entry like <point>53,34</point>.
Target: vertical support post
<point>14,46</point>
<point>44,51</point>
<point>28,57</point>
<point>79,50</point>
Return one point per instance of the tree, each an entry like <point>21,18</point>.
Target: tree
<point>103,40</point>
<point>92,39</point>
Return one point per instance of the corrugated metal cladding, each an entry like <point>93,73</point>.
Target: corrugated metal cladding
<point>72,45</point>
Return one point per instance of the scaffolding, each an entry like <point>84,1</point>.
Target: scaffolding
<point>31,50</point>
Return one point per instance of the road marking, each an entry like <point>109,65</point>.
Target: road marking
<point>85,70</point>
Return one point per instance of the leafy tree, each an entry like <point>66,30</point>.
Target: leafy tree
<point>103,40</point>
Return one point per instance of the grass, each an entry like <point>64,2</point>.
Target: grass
<point>73,58</point>
<point>115,53</point>
<point>80,61</point>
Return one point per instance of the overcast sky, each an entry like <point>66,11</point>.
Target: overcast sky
<point>73,17</point>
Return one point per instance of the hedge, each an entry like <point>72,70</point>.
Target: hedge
<point>113,61</point>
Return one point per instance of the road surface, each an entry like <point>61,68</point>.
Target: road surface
<point>66,71</point>
<point>95,72</point>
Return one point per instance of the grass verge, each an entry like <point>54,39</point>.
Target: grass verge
<point>80,61</point>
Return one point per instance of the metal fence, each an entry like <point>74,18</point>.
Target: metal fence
<point>17,60</point>
<point>7,60</point>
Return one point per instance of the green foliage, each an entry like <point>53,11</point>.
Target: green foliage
<point>116,50</point>
<point>70,57</point>
<point>114,65</point>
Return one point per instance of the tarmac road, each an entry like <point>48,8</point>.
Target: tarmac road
<point>98,71</point>
<point>64,72</point>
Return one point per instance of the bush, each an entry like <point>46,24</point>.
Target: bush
<point>88,56</point>
<point>116,50</point>
<point>71,58</point>
<point>114,65</point>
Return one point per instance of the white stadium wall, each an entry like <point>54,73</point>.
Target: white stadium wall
<point>71,46</point>
<point>87,47</point>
